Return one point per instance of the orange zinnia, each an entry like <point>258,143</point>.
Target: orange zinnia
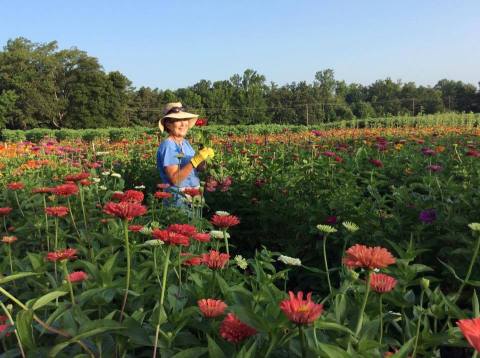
<point>368,257</point>
<point>301,311</point>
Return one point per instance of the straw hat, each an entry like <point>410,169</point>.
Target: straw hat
<point>174,111</point>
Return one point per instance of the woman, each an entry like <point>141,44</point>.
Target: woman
<point>177,162</point>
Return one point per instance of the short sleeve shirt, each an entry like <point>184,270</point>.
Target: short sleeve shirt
<point>171,153</point>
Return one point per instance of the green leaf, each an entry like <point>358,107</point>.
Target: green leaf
<point>332,326</point>
<point>475,306</point>
<point>46,299</point>
<point>406,348</point>
<point>214,351</point>
<point>333,351</point>
<point>23,323</point>
<point>451,269</point>
<point>16,277</point>
<point>191,352</point>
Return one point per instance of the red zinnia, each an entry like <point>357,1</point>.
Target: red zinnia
<point>15,186</point>
<point>234,331</point>
<point>471,330</point>
<point>124,210</point>
<point>163,186</point>
<point>368,257</point>
<point>162,195</point>
<point>65,190</point>
<point>202,237</point>
<point>118,195</point>
<point>77,276</point>
<point>301,311</point>
<point>211,308</point>
<point>382,283</point>
<point>56,211</point>
<point>473,153</point>
<point>170,237</point>
<point>215,260</point>
<point>133,196</point>
<point>5,211</point>
<point>135,228</point>
<point>225,221</point>
<point>77,177</point>
<point>378,163</point>
<point>191,260</point>
<point>184,229</point>
<point>192,192</point>
<point>66,254</point>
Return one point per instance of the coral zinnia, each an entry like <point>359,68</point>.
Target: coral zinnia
<point>65,190</point>
<point>9,239</point>
<point>382,283</point>
<point>133,196</point>
<point>301,311</point>
<point>170,237</point>
<point>191,260</point>
<point>368,257</point>
<point>124,210</point>
<point>77,276</point>
<point>61,255</point>
<point>235,331</point>
<point>5,211</point>
<point>225,221</point>
<point>211,308</point>
<point>202,237</point>
<point>56,211</point>
<point>215,260</point>
<point>471,330</point>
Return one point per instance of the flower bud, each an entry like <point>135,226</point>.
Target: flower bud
<point>425,283</point>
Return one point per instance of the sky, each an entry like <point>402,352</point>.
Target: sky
<point>174,44</point>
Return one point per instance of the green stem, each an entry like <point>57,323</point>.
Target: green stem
<point>364,304</point>
<point>162,297</point>
<point>127,283</point>
<point>46,222</point>
<point>10,258</point>
<point>7,313</point>
<point>381,321</point>
<point>83,208</point>
<point>73,219</point>
<point>5,225</point>
<point>65,272</point>
<point>18,203</point>
<point>418,325</point>
<point>326,264</point>
<point>303,344</point>
<point>470,268</point>
<point>226,240</point>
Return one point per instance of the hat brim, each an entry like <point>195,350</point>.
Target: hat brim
<point>192,119</point>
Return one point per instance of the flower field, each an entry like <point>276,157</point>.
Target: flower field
<point>342,242</point>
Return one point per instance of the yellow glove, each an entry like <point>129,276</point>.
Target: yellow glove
<point>203,154</point>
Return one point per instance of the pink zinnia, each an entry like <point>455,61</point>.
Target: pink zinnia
<point>5,211</point>
<point>77,276</point>
<point>211,308</point>
<point>61,255</point>
<point>301,311</point>
<point>56,211</point>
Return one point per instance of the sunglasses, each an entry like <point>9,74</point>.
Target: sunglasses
<point>175,110</point>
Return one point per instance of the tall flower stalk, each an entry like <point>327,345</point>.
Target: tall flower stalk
<point>476,228</point>
<point>127,281</point>
<point>65,272</point>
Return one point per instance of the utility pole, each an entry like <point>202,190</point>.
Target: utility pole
<point>306,106</point>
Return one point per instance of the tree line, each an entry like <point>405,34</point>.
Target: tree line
<point>44,86</point>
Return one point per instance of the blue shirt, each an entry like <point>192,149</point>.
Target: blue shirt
<point>168,154</point>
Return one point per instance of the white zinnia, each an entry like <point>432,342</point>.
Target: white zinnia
<point>326,229</point>
<point>139,187</point>
<point>222,213</point>
<point>474,226</point>
<point>115,175</point>
<point>352,227</point>
<point>102,187</point>
<point>96,180</point>
<point>105,173</point>
<point>154,242</point>
<point>287,260</point>
<point>217,234</point>
<point>241,262</point>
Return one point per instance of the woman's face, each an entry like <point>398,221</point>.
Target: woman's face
<point>178,128</point>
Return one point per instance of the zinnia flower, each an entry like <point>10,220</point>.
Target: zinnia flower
<point>65,190</point>
<point>184,229</point>
<point>428,216</point>
<point>15,186</point>
<point>135,228</point>
<point>162,195</point>
<point>241,262</point>
<point>301,311</point>
<point>5,211</point>
<point>471,330</point>
<point>56,211</point>
<point>378,163</point>
<point>77,177</point>
<point>124,210</point>
<point>235,331</point>
<point>211,308</point>
<point>225,221</point>
<point>77,276</point>
<point>192,192</point>
<point>202,237</point>
<point>42,190</point>
<point>215,260</point>
<point>368,257</point>
<point>350,226</point>
<point>133,196</point>
<point>287,260</point>
<point>382,283</point>
<point>61,255</point>
<point>191,260</point>
<point>9,239</point>
<point>170,237</point>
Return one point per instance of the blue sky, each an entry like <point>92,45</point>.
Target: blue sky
<point>176,43</point>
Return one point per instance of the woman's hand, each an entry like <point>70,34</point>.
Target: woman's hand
<point>201,156</point>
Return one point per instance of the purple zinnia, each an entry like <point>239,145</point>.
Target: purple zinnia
<point>428,151</point>
<point>434,168</point>
<point>331,220</point>
<point>428,216</point>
